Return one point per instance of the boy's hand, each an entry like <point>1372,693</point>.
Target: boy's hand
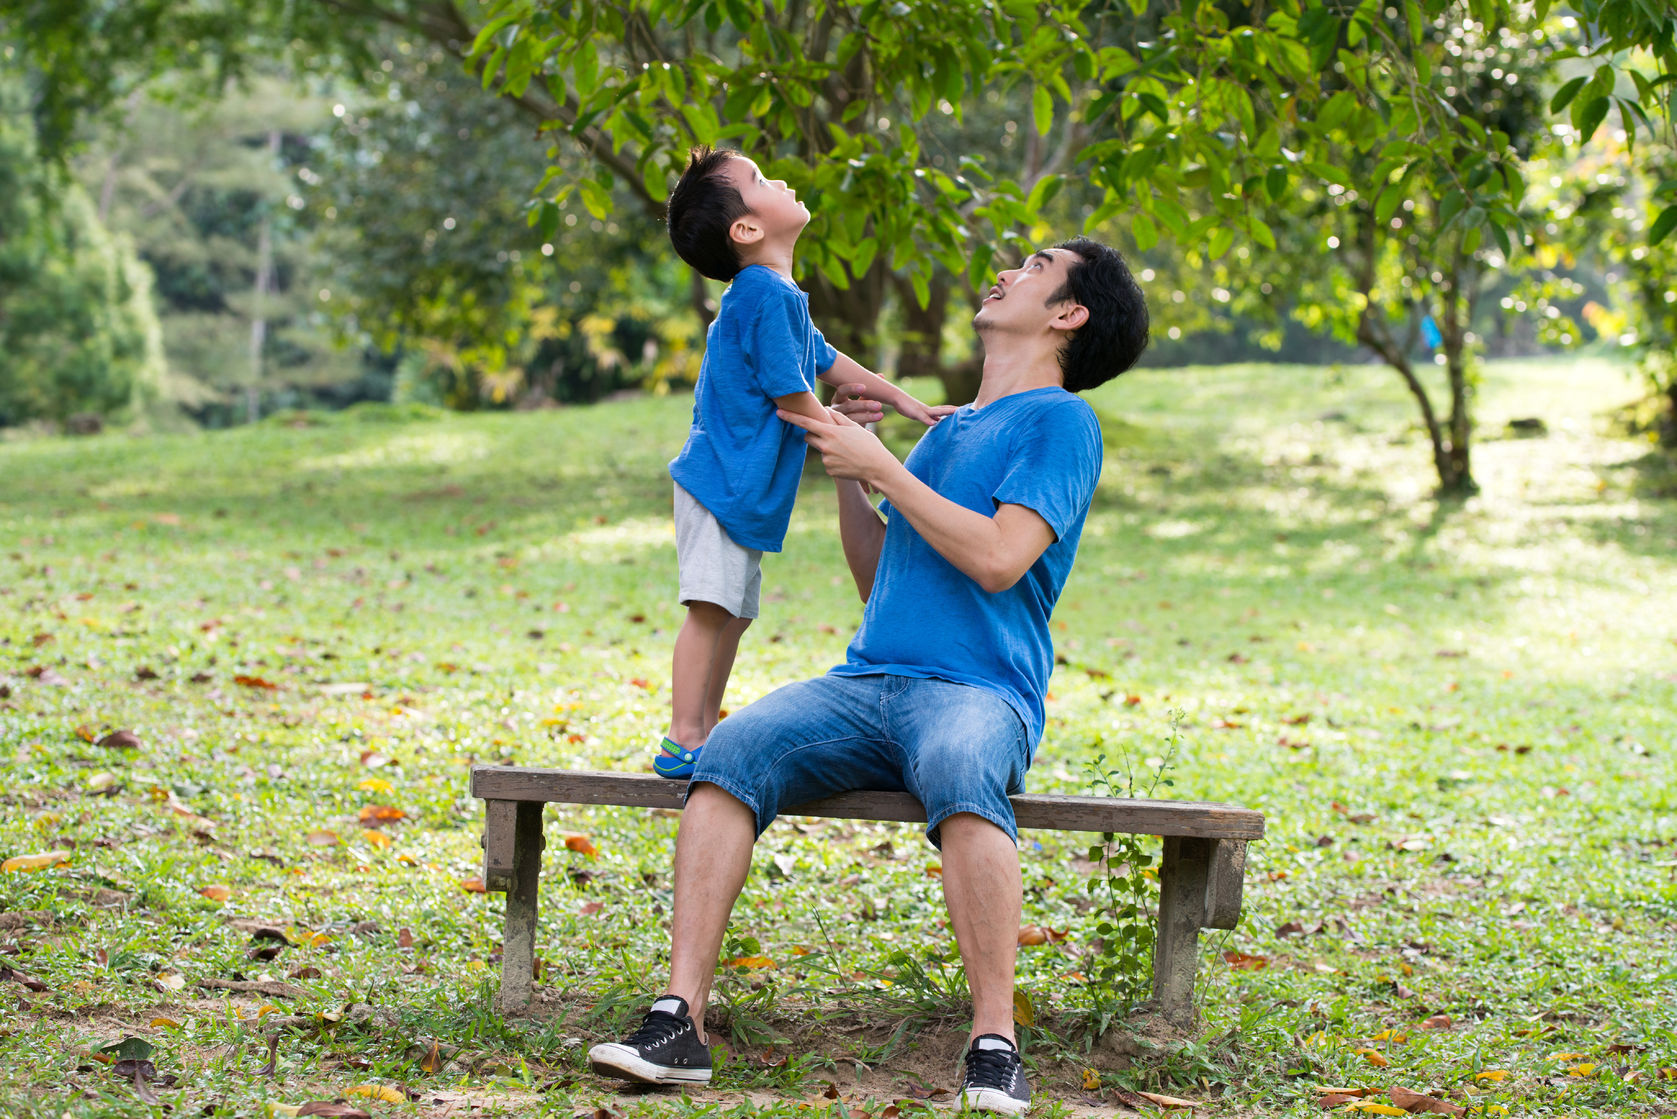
<point>851,401</point>
<point>926,414</point>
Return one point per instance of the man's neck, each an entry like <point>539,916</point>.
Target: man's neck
<point>1009,370</point>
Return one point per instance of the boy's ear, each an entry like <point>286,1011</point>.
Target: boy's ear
<point>1071,316</point>
<point>745,230</point>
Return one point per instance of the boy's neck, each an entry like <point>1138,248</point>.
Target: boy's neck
<point>777,258</point>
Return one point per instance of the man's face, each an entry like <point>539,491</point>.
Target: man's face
<point>773,204</point>
<point>1019,298</point>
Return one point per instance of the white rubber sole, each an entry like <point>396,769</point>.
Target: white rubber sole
<point>988,1099</point>
<point>615,1059</point>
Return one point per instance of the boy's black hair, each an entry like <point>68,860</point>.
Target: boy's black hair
<point>1115,333</point>
<point>701,208</point>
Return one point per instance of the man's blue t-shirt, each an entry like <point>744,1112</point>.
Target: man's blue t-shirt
<point>1040,449</point>
<point>741,461</point>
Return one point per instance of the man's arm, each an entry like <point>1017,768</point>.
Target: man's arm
<point>847,373</point>
<point>861,532</point>
<point>993,551</point>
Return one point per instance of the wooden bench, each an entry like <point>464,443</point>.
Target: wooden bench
<point>1199,876</point>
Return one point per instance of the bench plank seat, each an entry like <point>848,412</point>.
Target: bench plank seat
<point>1200,873</point>
<point>1031,810</point>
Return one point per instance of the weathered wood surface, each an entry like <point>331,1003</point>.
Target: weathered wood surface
<point>1044,811</point>
<point>1184,875</point>
<point>518,946</point>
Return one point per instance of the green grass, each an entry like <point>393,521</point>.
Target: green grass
<point>1459,721</point>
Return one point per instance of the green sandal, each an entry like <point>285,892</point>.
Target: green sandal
<point>674,762</point>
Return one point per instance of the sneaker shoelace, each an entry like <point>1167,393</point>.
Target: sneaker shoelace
<point>657,1028</point>
<point>990,1068</point>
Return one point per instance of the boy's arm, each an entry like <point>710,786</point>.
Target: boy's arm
<point>846,372</point>
<point>804,404</point>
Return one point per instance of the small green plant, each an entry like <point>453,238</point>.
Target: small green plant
<point>1121,888</point>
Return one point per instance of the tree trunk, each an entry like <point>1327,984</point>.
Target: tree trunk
<point>849,317</point>
<point>921,354</point>
<point>1373,333</point>
<point>1668,426</point>
<point>258,307</point>
<point>1456,307</point>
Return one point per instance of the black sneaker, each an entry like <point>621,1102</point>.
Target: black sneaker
<point>665,1050</point>
<point>995,1079</point>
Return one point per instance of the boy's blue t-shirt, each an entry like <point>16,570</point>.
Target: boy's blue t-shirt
<point>1041,449</point>
<point>741,461</point>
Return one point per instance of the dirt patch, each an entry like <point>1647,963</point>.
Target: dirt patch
<point>877,1056</point>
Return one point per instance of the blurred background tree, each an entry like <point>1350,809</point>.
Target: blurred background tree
<point>460,202</point>
<point>78,335</point>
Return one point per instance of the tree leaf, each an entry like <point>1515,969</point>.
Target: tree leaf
<point>1663,225</point>
<point>1042,109</point>
<point>1563,96</point>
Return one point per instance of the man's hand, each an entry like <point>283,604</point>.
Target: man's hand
<point>847,449</point>
<point>849,401</point>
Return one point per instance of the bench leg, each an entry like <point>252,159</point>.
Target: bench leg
<point>518,946</point>
<point>1223,889</point>
<point>1183,877</point>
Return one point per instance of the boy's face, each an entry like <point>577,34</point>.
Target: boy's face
<point>773,205</point>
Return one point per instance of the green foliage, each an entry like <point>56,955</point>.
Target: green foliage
<point>1123,885</point>
<point>420,198</point>
<point>208,192</point>
<point>77,329</point>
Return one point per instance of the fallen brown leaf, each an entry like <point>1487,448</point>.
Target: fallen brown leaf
<point>1240,961</point>
<point>120,740</point>
<point>29,982</point>
<point>377,815</point>
<point>335,1110</point>
<point>1419,1103</point>
<point>260,987</point>
<point>1167,1101</point>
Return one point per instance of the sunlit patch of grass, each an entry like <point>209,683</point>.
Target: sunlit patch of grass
<point>1456,718</point>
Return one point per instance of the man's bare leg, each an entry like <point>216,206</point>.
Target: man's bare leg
<point>982,889</point>
<point>712,858</point>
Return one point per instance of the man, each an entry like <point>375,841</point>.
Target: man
<point>943,686</point>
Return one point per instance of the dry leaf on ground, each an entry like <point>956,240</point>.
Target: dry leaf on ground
<point>1419,1103</point>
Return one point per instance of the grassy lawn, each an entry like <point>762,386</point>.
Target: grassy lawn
<point>1460,722</point>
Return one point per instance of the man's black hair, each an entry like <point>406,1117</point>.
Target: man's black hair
<point>1115,333</point>
<point>701,208</point>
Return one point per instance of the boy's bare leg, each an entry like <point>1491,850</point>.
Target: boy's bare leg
<point>982,889</point>
<point>691,668</point>
<point>712,858</point>
<point>722,666</point>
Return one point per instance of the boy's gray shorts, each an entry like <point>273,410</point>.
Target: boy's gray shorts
<point>712,567</point>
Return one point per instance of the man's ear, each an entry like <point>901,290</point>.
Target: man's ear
<point>745,230</point>
<point>1070,317</point>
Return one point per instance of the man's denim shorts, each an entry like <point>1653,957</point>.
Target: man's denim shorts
<point>956,748</point>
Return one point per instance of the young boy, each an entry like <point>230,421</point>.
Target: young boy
<point>737,476</point>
